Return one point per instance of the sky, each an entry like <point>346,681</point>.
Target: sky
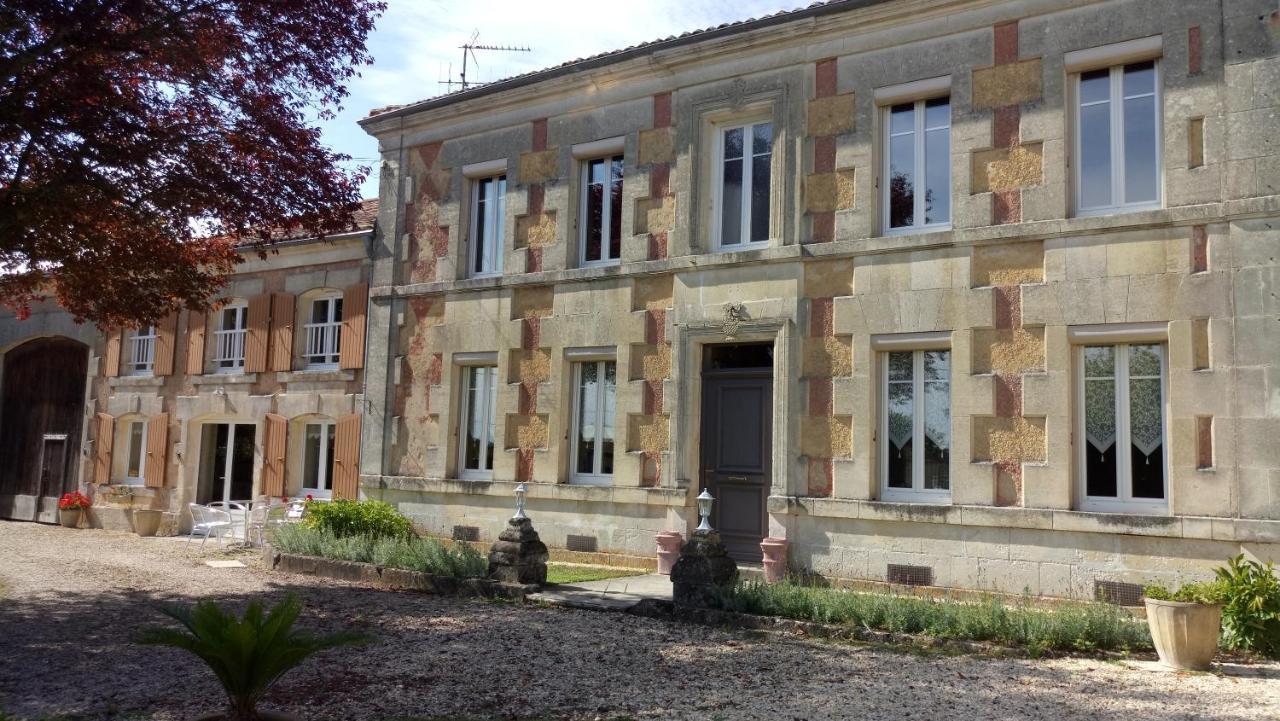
<point>415,46</point>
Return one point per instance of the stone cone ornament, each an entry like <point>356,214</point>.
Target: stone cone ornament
<point>518,556</point>
<point>703,568</point>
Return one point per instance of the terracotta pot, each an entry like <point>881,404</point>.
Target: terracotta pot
<point>668,550</point>
<point>1185,634</point>
<point>146,521</point>
<point>69,517</point>
<point>774,551</point>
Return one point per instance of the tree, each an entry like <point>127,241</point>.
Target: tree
<point>143,142</point>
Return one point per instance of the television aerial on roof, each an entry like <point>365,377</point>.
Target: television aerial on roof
<point>469,48</point>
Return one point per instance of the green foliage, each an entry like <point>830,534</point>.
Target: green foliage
<point>1251,606</point>
<point>343,517</point>
<point>1209,593</point>
<point>247,654</point>
<point>1070,626</point>
<point>408,552</point>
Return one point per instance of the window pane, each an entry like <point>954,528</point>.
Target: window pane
<point>481,229</point>
<point>1139,78</point>
<point>490,375</point>
<point>762,138</point>
<point>606,423</point>
<point>311,456</point>
<point>1095,139</point>
<point>594,209</point>
<point>731,200</point>
<point>1095,86</point>
<point>615,209</point>
<point>493,242</point>
<point>937,172</point>
<point>901,420</point>
<point>1146,427</point>
<point>136,434</point>
<point>937,420</point>
<point>1100,421</point>
<point>1141,180</point>
<point>588,387</point>
<point>733,143</point>
<point>902,163</point>
<point>474,433</point>
<point>330,430</point>
<point>760,198</point>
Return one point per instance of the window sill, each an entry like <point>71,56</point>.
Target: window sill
<point>1133,508</point>
<point>1118,210</point>
<point>136,381</point>
<point>917,230</point>
<point>740,247</point>
<point>316,376</point>
<point>224,379</point>
<point>920,497</point>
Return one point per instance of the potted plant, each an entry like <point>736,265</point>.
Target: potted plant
<point>1251,614</point>
<point>70,507</point>
<point>248,654</point>
<point>1184,623</point>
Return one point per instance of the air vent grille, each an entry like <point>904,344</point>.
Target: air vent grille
<point>910,575</point>
<point>1121,594</point>
<point>466,533</point>
<point>585,544</point>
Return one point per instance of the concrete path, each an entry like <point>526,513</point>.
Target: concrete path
<point>612,594</point>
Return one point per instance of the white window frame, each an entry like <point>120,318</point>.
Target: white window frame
<point>594,478</point>
<point>495,213</point>
<point>142,351</point>
<point>141,478</point>
<point>1123,502</point>
<point>330,331</point>
<point>606,220</point>
<point>323,470</point>
<point>1116,101</point>
<point>231,339</point>
<point>717,201</point>
<point>487,408</point>
<point>919,129</point>
<point>917,344</point>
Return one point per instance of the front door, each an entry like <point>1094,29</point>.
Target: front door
<point>226,462</point>
<point>737,397</point>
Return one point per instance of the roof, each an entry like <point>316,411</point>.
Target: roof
<point>817,9</point>
<point>363,218</point>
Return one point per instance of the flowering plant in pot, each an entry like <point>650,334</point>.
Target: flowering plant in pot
<point>70,508</point>
<point>1185,622</point>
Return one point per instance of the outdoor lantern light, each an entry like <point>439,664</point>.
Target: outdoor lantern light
<point>521,490</point>
<point>704,509</point>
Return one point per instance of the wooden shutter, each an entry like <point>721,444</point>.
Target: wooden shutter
<point>354,302</point>
<point>346,457</point>
<point>103,438</point>
<point>195,343</point>
<point>281,332</point>
<point>273,455</point>
<point>157,451</point>
<point>166,344</point>
<point>111,366</point>
<point>255,341</point>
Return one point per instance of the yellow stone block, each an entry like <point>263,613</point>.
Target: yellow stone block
<point>825,192</point>
<point>651,361</point>
<point>1008,351</point>
<point>828,278</point>
<point>655,215</point>
<point>539,166</point>
<point>526,431</point>
<point>648,433</point>
<point>530,366</point>
<point>830,357</point>
<point>1008,439</point>
<point>536,231</point>
<point>1008,84</point>
<point>656,146</point>
<point>826,436</point>
<point>532,302</point>
<point>652,292</point>
<point>1021,166</point>
<point>832,115</point>
<point>1011,264</point>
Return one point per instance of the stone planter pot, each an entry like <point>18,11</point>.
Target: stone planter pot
<point>1185,634</point>
<point>774,551</point>
<point>69,517</point>
<point>146,521</point>
<point>669,543</point>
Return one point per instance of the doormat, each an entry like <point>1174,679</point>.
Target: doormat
<point>224,564</point>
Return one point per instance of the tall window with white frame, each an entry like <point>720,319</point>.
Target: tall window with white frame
<point>744,171</point>
<point>142,351</point>
<point>917,166</point>
<point>477,421</point>
<point>317,458</point>
<point>593,413</point>
<point>915,445</point>
<point>601,220</point>
<point>136,458</point>
<point>229,338</point>
<point>324,333</point>
<point>1122,399</point>
<point>1118,138</point>
<point>488,200</point>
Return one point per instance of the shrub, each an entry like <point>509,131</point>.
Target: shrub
<point>376,519</point>
<point>1251,606</point>
<point>408,552</point>
<point>1209,593</point>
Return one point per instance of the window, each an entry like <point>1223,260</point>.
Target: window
<point>593,413</point>
<point>915,444</point>
<point>229,339</point>
<point>488,198</point>
<point>477,420</point>
<point>743,170</point>
<point>324,333</point>
<point>1122,426</point>
<point>601,220</point>
<point>137,457</point>
<point>317,458</point>
<point>917,192</point>
<point>142,351</point>
<point>1117,138</point>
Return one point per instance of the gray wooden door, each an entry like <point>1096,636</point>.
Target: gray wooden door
<point>736,445</point>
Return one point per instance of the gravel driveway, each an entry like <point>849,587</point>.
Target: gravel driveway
<point>71,599</point>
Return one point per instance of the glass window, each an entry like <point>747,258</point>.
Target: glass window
<point>324,333</point>
<point>229,338</point>
<point>743,185</point>
<point>601,220</point>
<point>1122,389</point>
<point>137,459</point>
<point>593,431</point>
<point>317,457</point>
<point>142,351</point>
<point>477,420</point>
<point>916,425</point>
<point>1118,138</point>
<point>488,200</point>
<point>918,165</point>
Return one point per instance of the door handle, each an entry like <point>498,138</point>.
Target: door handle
<point>739,479</point>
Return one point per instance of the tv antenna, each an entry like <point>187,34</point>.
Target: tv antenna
<point>469,48</point>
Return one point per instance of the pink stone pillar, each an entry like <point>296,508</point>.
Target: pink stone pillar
<point>775,558</point>
<point>669,543</point>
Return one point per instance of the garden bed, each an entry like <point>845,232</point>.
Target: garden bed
<point>398,578</point>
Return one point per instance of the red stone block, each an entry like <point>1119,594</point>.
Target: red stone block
<point>1005,130</point>
<point>821,392</point>
<point>650,469</point>
<point>537,196</point>
<point>1006,43</point>
<point>825,77</point>
<point>657,246</point>
<point>824,227</point>
<point>655,326</point>
<point>524,464</point>
<point>1008,395</point>
<point>540,134</point>
<point>821,318</point>
<point>1008,306</point>
<point>1204,442</point>
<point>533,260</point>
<point>662,110</point>
<point>528,398</point>
<point>1195,50</point>
<point>436,369</point>
<point>824,154</point>
<point>1199,249</point>
<point>651,398</point>
<point>821,477</point>
<point>530,333</point>
<point>659,180</point>
<point>1006,207</point>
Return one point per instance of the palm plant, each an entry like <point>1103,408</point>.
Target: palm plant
<point>247,654</point>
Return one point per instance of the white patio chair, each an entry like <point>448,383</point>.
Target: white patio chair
<point>238,514</point>
<point>206,521</point>
<point>259,515</point>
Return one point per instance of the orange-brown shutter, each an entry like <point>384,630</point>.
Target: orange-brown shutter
<point>111,366</point>
<point>102,441</point>
<point>255,341</point>
<point>273,455</point>
<point>354,302</point>
<point>157,450</point>
<point>195,343</point>
<point>346,457</point>
<point>282,332</point>
<point>166,344</point>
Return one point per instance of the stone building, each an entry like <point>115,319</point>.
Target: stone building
<point>260,397</point>
<point>974,294</point>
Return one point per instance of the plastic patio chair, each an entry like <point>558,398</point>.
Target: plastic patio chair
<point>259,517</point>
<point>207,521</point>
<point>239,516</point>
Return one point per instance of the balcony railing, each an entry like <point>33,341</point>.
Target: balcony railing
<point>229,349</point>
<point>322,344</point>
<point>142,354</point>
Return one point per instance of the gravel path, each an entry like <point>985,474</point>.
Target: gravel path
<point>69,601</point>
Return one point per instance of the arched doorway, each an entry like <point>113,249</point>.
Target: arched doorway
<point>41,412</point>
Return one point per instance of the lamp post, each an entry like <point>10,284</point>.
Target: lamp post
<point>705,499</point>
<point>521,490</point>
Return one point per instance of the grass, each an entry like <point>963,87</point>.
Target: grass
<point>1069,627</point>
<point>414,554</point>
<point>574,573</point>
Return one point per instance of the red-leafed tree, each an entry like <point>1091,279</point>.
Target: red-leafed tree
<point>142,141</point>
